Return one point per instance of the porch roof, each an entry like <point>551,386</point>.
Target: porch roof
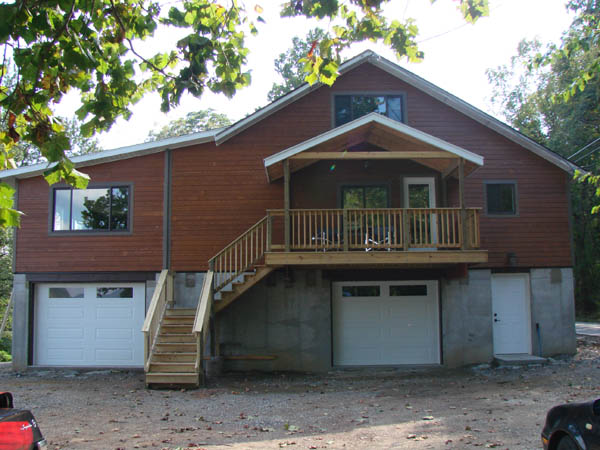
<point>397,141</point>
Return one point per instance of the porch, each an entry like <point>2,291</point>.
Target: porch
<point>353,237</point>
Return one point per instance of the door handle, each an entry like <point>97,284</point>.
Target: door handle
<point>496,320</point>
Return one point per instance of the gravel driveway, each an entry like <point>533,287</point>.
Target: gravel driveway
<point>477,407</point>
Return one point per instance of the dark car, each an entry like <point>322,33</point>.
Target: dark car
<point>573,426</point>
<point>18,428</point>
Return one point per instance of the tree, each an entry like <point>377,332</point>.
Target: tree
<point>26,154</point>
<point>193,122</point>
<point>91,46</point>
<point>531,100</point>
<point>582,37</point>
<point>290,65</point>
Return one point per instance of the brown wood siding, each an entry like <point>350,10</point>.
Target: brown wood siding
<point>39,251</point>
<point>228,186</point>
<point>319,185</point>
<point>220,191</point>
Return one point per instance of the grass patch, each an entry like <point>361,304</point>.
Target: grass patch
<point>5,349</point>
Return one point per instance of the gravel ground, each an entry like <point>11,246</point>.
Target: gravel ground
<point>413,409</point>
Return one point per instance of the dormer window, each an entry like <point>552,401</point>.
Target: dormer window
<point>350,107</point>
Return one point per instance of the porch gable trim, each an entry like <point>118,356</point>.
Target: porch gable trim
<point>381,120</point>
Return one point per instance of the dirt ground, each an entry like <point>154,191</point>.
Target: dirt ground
<point>414,409</point>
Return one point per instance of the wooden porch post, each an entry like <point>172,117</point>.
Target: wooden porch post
<point>286,203</point>
<point>461,199</point>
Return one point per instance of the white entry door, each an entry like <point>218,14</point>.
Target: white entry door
<point>82,324</point>
<point>511,313</point>
<point>385,323</point>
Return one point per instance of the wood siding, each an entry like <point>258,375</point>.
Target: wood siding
<point>41,251</point>
<point>220,191</point>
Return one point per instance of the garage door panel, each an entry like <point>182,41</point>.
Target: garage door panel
<point>65,313</point>
<point>108,355</point>
<point>114,313</point>
<point>65,333</point>
<point>387,329</point>
<point>114,333</point>
<point>359,311</point>
<point>65,356</point>
<point>106,326</point>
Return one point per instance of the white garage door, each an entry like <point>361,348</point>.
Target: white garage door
<point>385,323</point>
<point>89,324</point>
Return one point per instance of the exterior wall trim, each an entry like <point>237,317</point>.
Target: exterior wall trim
<point>89,277</point>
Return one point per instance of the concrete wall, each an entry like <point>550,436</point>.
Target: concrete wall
<point>553,308</point>
<point>20,338</point>
<point>188,287</point>
<point>287,315</point>
<point>467,319</point>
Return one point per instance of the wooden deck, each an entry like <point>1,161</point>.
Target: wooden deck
<point>373,259</point>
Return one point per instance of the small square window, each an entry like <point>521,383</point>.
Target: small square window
<point>501,199</point>
<point>350,107</point>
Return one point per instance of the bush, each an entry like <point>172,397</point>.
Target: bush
<point>5,356</point>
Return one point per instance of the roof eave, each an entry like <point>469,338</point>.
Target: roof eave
<point>132,151</point>
<point>285,100</point>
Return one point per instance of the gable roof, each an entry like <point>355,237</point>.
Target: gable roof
<point>417,82</point>
<point>373,123</point>
<point>221,135</point>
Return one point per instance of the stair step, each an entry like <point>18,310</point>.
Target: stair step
<point>181,312</point>
<point>178,320</point>
<point>176,338</point>
<point>174,357</point>
<point>168,328</point>
<point>172,378</point>
<point>172,367</point>
<point>176,347</point>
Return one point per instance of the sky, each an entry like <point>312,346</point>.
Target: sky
<point>457,55</point>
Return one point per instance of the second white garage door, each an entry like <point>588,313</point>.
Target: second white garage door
<point>385,323</point>
<point>89,324</point>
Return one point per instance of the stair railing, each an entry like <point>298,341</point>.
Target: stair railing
<point>162,297</point>
<point>200,329</point>
<point>241,254</point>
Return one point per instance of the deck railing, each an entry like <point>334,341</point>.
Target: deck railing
<point>163,295</point>
<point>346,229</point>
<point>377,229</point>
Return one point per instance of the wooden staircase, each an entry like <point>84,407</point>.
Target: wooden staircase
<point>246,281</point>
<point>173,360</point>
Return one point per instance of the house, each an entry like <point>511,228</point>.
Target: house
<point>381,221</point>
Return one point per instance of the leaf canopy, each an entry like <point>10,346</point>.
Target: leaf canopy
<point>92,46</point>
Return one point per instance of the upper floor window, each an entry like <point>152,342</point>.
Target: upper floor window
<point>350,107</point>
<point>365,197</point>
<point>501,198</point>
<point>94,209</point>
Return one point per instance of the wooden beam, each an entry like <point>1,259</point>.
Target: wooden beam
<point>286,203</point>
<point>359,258</point>
<point>461,203</point>
<point>449,170</point>
<point>374,155</point>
